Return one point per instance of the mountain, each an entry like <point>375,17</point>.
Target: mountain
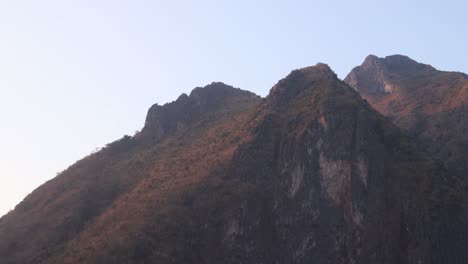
<point>177,137</point>
<point>429,105</point>
<point>311,173</point>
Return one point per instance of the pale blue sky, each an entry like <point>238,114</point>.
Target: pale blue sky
<point>75,75</point>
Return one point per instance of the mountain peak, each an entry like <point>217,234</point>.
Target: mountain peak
<point>214,99</point>
<point>395,62</point>
<point>419,99</point>
<point>218,88</point>
<point>319,68</point>
<point>403,63</point>
<point>377,74</point>
<point>371,60</point>
<point>400,58</point>
<point>300,81</point>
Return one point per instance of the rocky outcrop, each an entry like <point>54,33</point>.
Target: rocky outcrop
<point>376,76</point>
<point>209,102</point>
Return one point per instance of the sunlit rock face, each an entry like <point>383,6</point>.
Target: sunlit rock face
<point>430,105</point>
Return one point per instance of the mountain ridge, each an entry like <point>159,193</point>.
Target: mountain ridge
<point>311,172</point>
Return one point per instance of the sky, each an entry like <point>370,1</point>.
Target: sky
<point>76,75</point>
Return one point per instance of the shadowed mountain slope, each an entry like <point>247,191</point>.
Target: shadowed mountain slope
<point>309,173</point>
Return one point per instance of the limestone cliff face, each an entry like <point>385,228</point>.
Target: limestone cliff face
<point>333,181</point>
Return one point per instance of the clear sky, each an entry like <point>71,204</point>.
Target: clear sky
<point>75,75</point>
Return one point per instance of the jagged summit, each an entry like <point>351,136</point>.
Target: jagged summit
<point>212,100</point>
<point>214,88</point>
<point>182,97</point>
<point>403,59</point>
<point>377,74</point>
<point>397,62</point>
<point>300,82</point>
<point>400,78</point>
<point>370,60</point>
<point>319,68</point>
<point>400,59</point>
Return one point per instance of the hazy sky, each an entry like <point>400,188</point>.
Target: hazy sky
<point>75,75</point>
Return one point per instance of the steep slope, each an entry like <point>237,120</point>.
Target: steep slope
<point>311,173</point>
<point>60,209</point>
<point>430,105</point>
